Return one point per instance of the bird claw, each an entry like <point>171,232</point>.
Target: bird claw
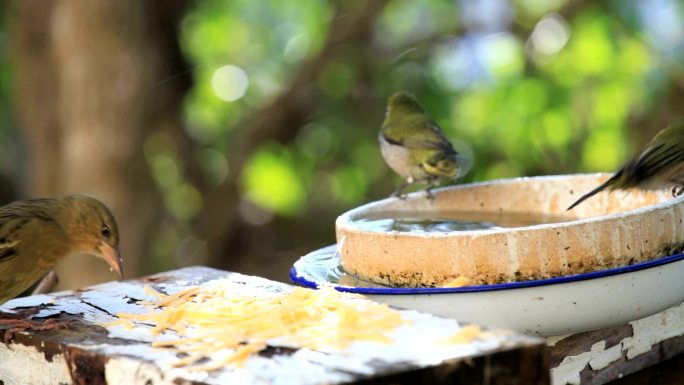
<point>428,193</point>
<point>397,195</point>
<point>430,196</point>
<point>677,190</point>
<point>20,325</point>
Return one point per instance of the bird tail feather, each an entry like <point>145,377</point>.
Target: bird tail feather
<point>594,191</point>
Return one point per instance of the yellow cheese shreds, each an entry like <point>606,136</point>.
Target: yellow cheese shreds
<point>465,335</point>
<point>458,282</point>
<point>211,322</point>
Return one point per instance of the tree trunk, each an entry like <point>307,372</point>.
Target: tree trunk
<point>84,87</point>
<point>94,78</point>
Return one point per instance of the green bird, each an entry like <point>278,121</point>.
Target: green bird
<point>36,234</point>
<point>415,147</point>
<point>660,165</point>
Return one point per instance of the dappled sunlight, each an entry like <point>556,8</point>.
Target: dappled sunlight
<point>550,35</point>
<point>271,180</point>
<point>230,83</point>
<point>250,115</point>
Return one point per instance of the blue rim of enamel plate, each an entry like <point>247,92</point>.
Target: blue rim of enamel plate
<point>306,280</point>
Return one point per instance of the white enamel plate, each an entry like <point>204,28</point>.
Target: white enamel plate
<point>547,307</point>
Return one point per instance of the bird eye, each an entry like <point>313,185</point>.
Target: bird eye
<point>106,232</point>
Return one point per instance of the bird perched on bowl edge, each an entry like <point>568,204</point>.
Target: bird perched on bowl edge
<point>660,165</point>
<point>415,147</point>
<point>35,234</point>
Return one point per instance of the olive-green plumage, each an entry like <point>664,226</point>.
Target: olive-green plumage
<point>660,165</point>
<point>415,147</point>
<point>36,234</point>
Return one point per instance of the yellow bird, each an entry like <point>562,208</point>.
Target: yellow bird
<point>661,164</point>
<point>415,147</point>
<point>36,234</point>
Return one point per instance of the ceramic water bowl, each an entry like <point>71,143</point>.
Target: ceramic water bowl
<point>613,259</point>
<point>609,230</point>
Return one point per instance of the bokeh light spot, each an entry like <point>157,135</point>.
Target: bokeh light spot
<point>502,54</point>
<point>271,181</point>
<point>184,201</point>
<point>297,48</point>
<point>551,34</point>
<point>214,164</point>
<point>229,82</point>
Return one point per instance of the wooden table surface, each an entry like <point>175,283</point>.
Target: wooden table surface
<point>91,351</point>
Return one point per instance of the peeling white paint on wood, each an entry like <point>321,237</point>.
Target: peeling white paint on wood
<point>606,357</point>
<point>651,330</point>
<point>126,371</point>
<point>647,333</point>
<point>19,364</point>
<point>568,372</point>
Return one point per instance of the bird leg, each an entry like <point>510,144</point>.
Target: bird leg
<point>429,194</point>
<point>47,283</point>
<point>20,325</point>
<point>397,193</point>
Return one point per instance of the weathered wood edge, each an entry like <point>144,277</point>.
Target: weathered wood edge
<point>512,365</point>
<point>624,366</point>
<point>601,356</point>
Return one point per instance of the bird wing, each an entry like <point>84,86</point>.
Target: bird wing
<point>9,235</point>
<point>664,153</point>
<point>15,218</point>
<point>654,161</point>
<point>8,249</point>
<point>433,138</point>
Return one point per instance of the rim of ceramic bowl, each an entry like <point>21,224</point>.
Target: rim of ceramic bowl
<point>346,220</point>
<point>306,280</point>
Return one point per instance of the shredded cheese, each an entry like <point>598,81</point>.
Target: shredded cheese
<point>465,335</point>
<point>458,282</point>
<point>211,321</point>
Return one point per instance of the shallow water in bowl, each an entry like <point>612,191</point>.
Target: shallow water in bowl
<point>451,221</point>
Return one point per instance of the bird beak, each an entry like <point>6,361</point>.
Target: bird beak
<point>113,258</point>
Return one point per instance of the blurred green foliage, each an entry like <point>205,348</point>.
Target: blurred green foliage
<point>265,39</point>
<point>529,87</point>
